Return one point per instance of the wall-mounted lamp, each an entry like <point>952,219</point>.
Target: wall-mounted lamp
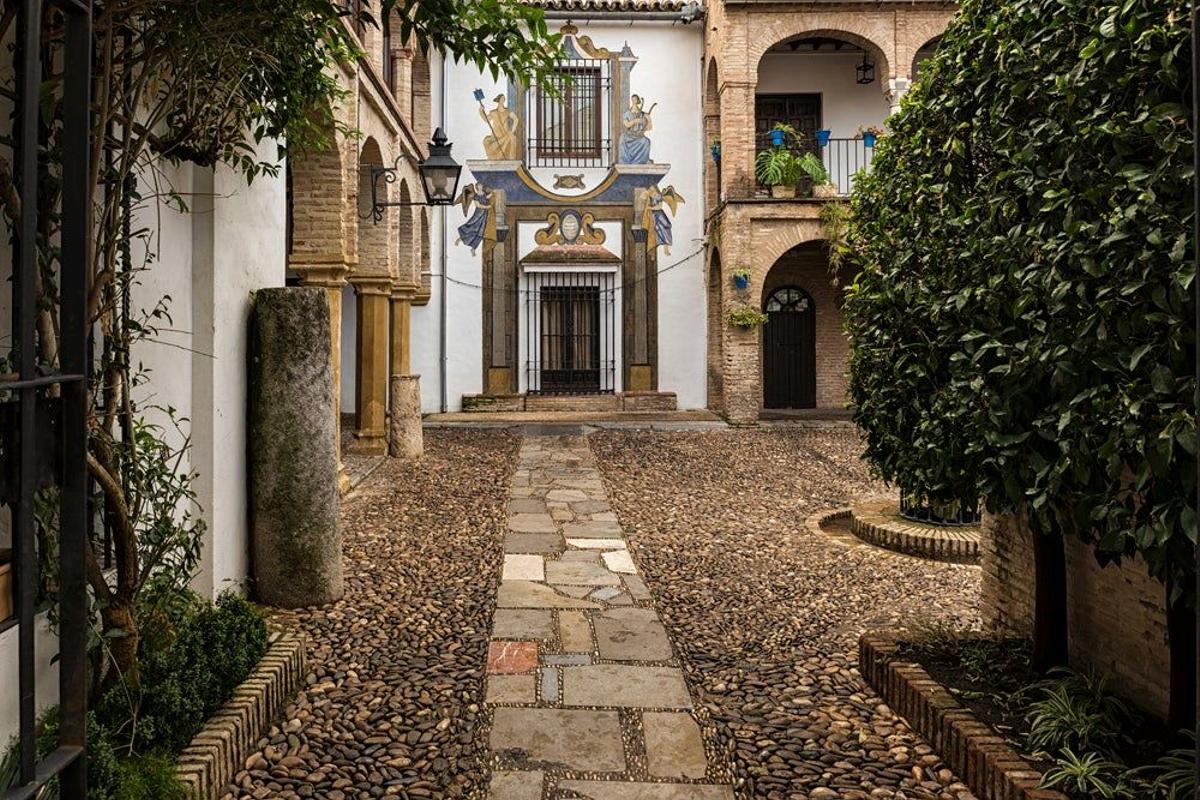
<point>865,72</point>
<point>439,178</point>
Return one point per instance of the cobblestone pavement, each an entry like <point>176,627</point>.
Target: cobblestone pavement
<point>394,701</point>
<point>765,614</point>
<point>587,698</point>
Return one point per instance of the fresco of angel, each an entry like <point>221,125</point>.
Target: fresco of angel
<point>655,219</point>
<point>481,225</point>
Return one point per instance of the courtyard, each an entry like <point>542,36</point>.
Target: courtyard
<point>493,627</point>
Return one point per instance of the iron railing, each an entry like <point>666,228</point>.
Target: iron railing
<point>571,335</point>
<point>49,403</point>
<point>843,159</point>
<point>567,119</point>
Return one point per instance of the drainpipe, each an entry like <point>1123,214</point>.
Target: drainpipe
<point>442,295</point>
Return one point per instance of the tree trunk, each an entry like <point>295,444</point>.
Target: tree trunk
<point>1050,599</point>
<point>122,649</point>
<point>1181,633</point>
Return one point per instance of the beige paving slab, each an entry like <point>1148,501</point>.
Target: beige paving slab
<point>674,747</point>
<point>523,567</point>
<point>597,544</point>
<point>516,786</point>
<point>549,738</point>
<point>620,561</point>
<point>528,594</point>
<point>618,790</point>
<point>574,632</point>
<point>510,689</point>
<point>580,573</point>
<point>631,634</point>
<point>625,686</point>
<point>522,623</point>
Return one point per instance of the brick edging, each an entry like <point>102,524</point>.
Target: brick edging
<point>970,748</point>
<point>216,753</point>
<point>953,544</point>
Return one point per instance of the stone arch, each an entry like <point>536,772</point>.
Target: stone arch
<point>848,29</point>
<point>716,332</point>
<point>772,244</point>
<point>712,132</point>
<point>373,256</point>
<point>407,257</point>
<point>926,50</point>
<point>319,233</point>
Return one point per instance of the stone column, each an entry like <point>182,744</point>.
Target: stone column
<point>331,278</point>
<point>405,439</point>
<point>737,139</point>
<point>371,356</point>
<point>294,497</point>
<point>401,314</point>
<point>895,89</point>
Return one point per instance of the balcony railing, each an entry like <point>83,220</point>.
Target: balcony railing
<point>843,160</point>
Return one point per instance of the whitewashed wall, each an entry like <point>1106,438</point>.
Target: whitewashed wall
<point>668,72</point>
<point>845,104</point>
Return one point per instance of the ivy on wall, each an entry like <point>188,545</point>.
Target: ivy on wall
<point>1021,327</point>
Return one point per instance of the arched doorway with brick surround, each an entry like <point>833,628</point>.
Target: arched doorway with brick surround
<point>712,135</point>
<point>716,334</point>
<point>804,347</point>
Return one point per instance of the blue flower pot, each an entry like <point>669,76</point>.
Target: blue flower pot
<point>869,139</point>
<point>823,137</point>
<point>716,153</point>
<point>777,138</point>
<point>741,281</point>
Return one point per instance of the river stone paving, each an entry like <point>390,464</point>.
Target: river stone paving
<point>394,701</point>
<point>595,705</point>
<point>765,614</point>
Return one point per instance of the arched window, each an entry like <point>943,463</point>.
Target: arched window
<point>788,298</point>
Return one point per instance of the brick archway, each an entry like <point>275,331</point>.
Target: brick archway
<point>879,42</point>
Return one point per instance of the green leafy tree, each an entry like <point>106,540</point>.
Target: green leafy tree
<point>1021,324</point>
<point>203,82</point>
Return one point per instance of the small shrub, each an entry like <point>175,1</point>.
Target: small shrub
<point>187,671</point>
<point>1089,775</point>
<point>1078,712</point>
<point>746,317</point>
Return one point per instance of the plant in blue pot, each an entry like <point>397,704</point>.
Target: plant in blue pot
<point>870,134</point>
<point>782,133</point>
<point>741,278</point>
<point>715,149</point>
<point>823,136</point>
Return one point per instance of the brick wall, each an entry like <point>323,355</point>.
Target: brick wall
<point>1116,614</point>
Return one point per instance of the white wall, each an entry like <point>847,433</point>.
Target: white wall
<point>845,104</point>
<point>668,72</point>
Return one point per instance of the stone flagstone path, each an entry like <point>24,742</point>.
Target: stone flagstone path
<point>587,698</point>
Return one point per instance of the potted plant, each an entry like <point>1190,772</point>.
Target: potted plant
<point>823,137</point>
<point>870,134</point>
<point>779,169</point>
<point>715,149</point>
<point>741,278</point>
<point>746,317</point>
<point>781,132</point>
<point>814,167</point>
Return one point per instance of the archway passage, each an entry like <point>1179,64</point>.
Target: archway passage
<point>790,349</point>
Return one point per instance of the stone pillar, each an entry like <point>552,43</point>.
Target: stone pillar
<point>737,139</point>
<point>895,89</point>
<point>405,439</point>
<point>294,501</point>
<point>401,315</point>
<point>331,278</point>
<point>371,373</point>
<point>743,374</point>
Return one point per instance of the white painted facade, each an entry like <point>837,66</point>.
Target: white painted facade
<point>668,72</point>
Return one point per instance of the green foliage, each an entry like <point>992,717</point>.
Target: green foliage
<point>811,164</point>
<point>741,272</point>
<point>746,316</point>
<point>777,166</point>
<point>189,666</point>
<point>1021,325</point>
<point>1173,777</point>
<point>1089,775</point>
<point>1078,712</point>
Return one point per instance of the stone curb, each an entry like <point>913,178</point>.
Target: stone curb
<point>869,522</point>
<point>971,749</point>
<point>216,753</point>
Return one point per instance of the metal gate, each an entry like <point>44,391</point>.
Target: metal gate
<point>789,350</point>
<point>43,428</point>
<point>570,332</point>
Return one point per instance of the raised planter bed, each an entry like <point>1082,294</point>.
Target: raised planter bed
<point>217,753</point>
<point>878,522</point>
<point>978,756</point>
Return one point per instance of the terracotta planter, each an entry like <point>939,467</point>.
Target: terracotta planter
<point>783,192</point>
<point>6,597</point>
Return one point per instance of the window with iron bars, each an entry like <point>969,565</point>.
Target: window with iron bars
<point>567,116</point>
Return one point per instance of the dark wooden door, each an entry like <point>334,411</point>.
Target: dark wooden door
<point>801,111</point>
<point>570,339</point>
<point>790,350</point>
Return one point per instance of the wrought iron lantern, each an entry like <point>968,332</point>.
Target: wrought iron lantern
<point>439,178</point>
<point>865,72</point>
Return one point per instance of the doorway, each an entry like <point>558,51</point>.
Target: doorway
<point>790,350</point>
